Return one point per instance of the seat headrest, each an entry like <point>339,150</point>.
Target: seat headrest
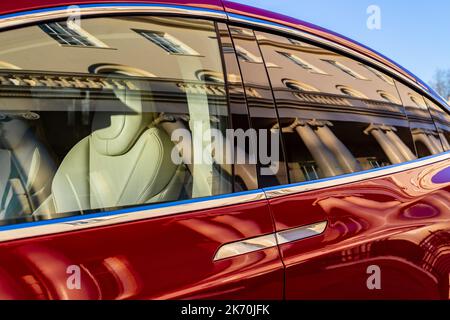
<point>113,134</point>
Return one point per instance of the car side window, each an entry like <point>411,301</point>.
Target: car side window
<point>245,171</point>
<point>441,118</point>
<point>110,113</point>
<point>338,116</point>
<point>423,129</point>
<point>261,105</point>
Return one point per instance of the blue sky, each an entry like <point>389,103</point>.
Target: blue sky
<point>415,34</point>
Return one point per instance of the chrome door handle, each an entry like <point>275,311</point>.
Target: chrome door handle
<point>241,247</point>
<point>301,233</point>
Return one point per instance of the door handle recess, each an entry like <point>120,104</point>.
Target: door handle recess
<point>241,247</point>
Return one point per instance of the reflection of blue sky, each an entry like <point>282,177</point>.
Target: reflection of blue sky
<point>415,34</point>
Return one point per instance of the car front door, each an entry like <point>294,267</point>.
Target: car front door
<point>107,192</point>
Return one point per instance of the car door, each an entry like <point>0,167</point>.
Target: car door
<point>107,192</point>
<point>364,217</point>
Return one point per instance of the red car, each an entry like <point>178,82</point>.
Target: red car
<point>204,149</point>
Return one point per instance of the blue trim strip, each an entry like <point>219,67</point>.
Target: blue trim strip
<point>306,183</point>
<point>123,211</point>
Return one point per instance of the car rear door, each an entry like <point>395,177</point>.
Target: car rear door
<point>364,217</point>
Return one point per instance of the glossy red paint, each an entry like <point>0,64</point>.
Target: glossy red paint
<point>399,223</point>
<point>163,258</point>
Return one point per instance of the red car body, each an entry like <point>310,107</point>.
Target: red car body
<point>397,218</point>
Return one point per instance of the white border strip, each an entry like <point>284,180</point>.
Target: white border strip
<point>78,223</point>
<point>34,16</point>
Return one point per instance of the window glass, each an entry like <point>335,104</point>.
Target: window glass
<point>264,118</point>
<point>344,119</point>
<point>70,34</point>
<point>425,135</point>
<point>245,171</point>
<point>441,118</point>
<point>85,129</point>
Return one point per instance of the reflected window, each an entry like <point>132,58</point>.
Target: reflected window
<point>345,69</point>
<point>105,68</point>
<point>247,56</point>
<point>300,43</point>
<point>302,63</point>
<point>389,97</point>
<point>351,92</point>
<point>299,86</point>
<point>334,125</point>
<point>418,101</point>
<point>168,42</point>
<point>210,76</point>
<point>71,34</point>
<point>379,74</point>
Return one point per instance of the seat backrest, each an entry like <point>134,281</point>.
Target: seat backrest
<point>125,161</point>
<point>25,178</point>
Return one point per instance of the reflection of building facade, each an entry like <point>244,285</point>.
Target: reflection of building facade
<point>141,74</point>
<point>314,88</point>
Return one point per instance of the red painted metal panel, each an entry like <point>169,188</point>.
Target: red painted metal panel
<point>163,258</point>
<point>399,223</point>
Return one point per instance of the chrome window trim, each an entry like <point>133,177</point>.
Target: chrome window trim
<point>280,191</point>
<point>54,13</point>
<point>81,222</point>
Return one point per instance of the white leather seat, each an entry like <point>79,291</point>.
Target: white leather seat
<point>125,161</point>
<point>27,170</point>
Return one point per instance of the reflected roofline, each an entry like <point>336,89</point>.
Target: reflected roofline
<point>231,8</point>
<point>245,10</point>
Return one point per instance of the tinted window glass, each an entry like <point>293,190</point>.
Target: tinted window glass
<point>338,116</point>
<point>261,107</point>
<point>425,135</point>
<point>86,129</point>
<point>245,174</point>
<point>441,118</point>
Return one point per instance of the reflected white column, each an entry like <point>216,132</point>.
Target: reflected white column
<point>436,142</point>
<point>340,151</point>
<point>323,157</point>
<point>420,136</point>
<point>444,141</point>
<point>402,147</point>
<point>388,147</point>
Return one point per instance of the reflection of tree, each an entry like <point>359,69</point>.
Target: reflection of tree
<point>441,83</point>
